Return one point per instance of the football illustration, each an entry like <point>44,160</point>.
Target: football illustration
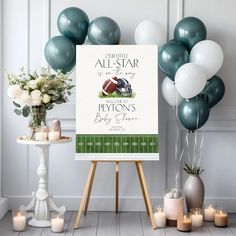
<point>123,88</point>
<point>109,86</point>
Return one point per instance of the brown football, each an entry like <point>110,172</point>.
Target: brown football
<point>109,86</point>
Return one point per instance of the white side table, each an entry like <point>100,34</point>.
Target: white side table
<point>42,201</point>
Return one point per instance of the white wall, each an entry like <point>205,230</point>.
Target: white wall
<point>3,201</point>
<point>27,25</point>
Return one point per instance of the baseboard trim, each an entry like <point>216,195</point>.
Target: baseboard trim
<point>101,203</point>
<point>95,204</point>
<point>3,206</point>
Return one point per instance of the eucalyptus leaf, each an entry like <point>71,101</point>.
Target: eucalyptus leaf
<point>58,102</point>
<point>32,77</point>
<point>18,112</point>
<point>26,111</point>
<point>16,104</point>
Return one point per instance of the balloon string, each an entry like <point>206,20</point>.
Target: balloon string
<point>194,150</point>
<point>177,130</point>
<point>187,145</point>
<point>194,154</point>
<point>200,151</point>
<point>180,159</point>
<point>177,162</point>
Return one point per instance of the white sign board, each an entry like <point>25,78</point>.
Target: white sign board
<point>117,102</point>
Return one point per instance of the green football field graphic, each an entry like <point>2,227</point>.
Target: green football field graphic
<point>140,143</point>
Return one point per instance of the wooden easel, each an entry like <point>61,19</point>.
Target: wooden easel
<point>88,187</point>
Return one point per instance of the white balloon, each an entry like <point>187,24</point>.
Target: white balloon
<point>149,32</point>
<point>209,55</point>
<point>190,80</point>
<point>170,93</point>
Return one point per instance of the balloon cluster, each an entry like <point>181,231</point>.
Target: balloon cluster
<point>190,63</point>
<point>73,24</point>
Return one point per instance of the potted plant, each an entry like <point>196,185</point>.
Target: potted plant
<point>194,189</point>
<point>35,93</point>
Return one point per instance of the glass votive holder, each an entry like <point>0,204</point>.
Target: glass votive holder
<point>19,220</point>
<point>196,217</point>
<point>209,212</point>
<point>160,217</point>
<point>57,222</point>
<point>221,218</point>
<point>55,130</point>
<point>41,134</point>
<point>54,135</point>
<point>184,222</point>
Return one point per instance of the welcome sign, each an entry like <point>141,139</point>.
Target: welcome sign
<point>117,102</point>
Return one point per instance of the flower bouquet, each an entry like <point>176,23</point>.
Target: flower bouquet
<point>35,93</point>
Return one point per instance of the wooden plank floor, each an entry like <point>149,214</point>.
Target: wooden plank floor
<point>112,224</point>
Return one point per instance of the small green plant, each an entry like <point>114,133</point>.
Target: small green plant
<point>192,170</point>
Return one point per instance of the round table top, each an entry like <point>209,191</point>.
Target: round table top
<point>27,140</point>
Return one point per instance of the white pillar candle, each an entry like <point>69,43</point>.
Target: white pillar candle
<point>209,213</point>
<point>196,217</point>
<point>197,220</point>
<point>53,136</point>
<point>19,222</point>
<point>160,218</point>
<point>41,136</point>
<point>57,224</point>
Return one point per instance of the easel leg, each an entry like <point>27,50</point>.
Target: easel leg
<point>117,186</point>
<point>145,191</point>
<point>142,188</point>
<point>86,191</point>
<point>90,188</point>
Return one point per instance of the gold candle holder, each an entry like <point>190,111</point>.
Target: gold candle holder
<point>184,222</point>
<point>221,218</point>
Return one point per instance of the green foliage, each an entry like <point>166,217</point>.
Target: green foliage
<point>18,112</point>
<point>16,104</point>
<point>26,111</point>
<point>56,87</point>
<point>192,170</point>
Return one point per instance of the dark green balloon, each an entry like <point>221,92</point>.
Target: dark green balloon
<point>73,23</point>
<point>60,53</point>
<point>213,91</point>
<point>189,31</point>
<point>104,31</point>
<point>193,113</point>
<point>172,56</point>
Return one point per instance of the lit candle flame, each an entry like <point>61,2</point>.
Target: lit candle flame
<point>159,209</point>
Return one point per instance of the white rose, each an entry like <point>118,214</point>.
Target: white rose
<point>14,91</point>
<point>36,102</point>
<point>32,84</point>
<point>36,97</point>
<point>46,98</point>
<point>24,99</point>
<point>36,94</point>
